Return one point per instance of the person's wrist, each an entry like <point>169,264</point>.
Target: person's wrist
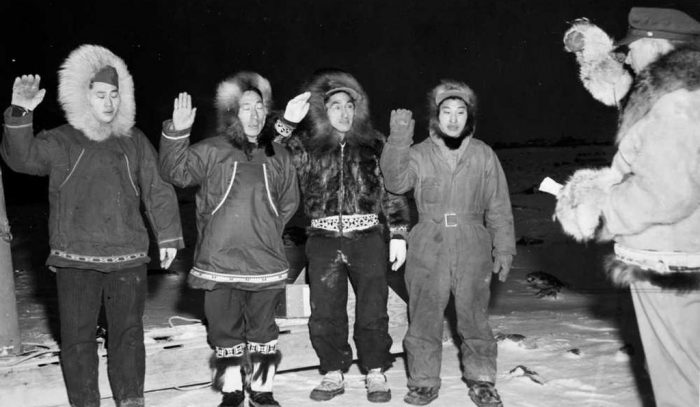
<point>19,111</point>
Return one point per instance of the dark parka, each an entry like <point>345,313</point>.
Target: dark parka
<point>99,173</point>
<point>246,195</point>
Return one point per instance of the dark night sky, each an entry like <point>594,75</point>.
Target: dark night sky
<point>510,52</point>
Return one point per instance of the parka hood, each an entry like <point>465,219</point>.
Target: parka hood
<point>75,77</point>
<point>228,96</point>
<point>321,86</point>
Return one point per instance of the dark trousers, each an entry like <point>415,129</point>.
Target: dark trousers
<point>80,296</point>
<point>332,261</point>
<point>237,317</point>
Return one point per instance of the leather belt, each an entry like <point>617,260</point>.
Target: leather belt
<point>452,219</point>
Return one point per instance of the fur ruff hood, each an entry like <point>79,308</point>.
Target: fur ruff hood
<point>679,69</point>
<point>228,96</point>
<point>319,130</point>
<point>448,85</point>
<point>74,84</point>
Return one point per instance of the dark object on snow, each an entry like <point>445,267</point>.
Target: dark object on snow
<point>511,337</point>
<point>547,284</point>
<point>529,241</point>
<point>574,351</point>
<point>627,349</point>
<point>522,370</point>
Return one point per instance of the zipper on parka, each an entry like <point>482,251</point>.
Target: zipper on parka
<point>341,190</point>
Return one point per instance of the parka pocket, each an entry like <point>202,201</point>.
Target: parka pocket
<point>430,190</point>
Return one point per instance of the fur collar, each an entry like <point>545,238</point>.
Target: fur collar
<point>679,69</point>
<point>318,135</point>
<point>74,84</point>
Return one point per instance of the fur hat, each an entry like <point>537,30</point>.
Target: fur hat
<point>450,89</point>
<point>75,78</point>
<point>327,82</point>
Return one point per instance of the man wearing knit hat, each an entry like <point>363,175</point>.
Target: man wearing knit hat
<point>648,200</point>
<point>101,169</point>
<point>463,236</point>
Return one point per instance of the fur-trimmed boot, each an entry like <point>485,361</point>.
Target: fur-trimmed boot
<point>264,358</point>
<point>229,375</point>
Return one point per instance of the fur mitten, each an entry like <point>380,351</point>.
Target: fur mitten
<point>580,202</point>
<point>601,72</point>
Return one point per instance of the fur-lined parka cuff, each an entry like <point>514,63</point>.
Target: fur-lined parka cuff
<point>398,232</point>
<point>581,202</point>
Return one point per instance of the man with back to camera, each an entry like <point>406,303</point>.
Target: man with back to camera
<point>648,200</point>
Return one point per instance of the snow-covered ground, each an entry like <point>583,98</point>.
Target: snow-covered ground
<point>581,348</point>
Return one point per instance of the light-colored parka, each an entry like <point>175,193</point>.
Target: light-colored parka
<point>649,198</point>
<point>475,191</point>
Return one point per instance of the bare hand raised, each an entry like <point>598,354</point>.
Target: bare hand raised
<point>297,108</point>
<point>183,113</point>
<point>26,92</point>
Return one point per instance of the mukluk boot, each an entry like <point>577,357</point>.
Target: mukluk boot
<point>230,364</point>
<point>264,359</point>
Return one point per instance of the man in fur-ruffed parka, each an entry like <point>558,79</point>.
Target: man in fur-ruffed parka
<point>336,152</point>
<point>247,192</point>
<point>101,169</point>
<point>648,200</point>
<point>463,235</point>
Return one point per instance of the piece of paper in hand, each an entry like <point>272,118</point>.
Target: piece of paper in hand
<point>550,186</point>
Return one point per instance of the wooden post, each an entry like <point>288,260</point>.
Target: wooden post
<point>10,342</point>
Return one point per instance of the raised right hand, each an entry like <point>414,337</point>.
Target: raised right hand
<point>183,113</point>
<point>26,92</point>
<point>401,124</point>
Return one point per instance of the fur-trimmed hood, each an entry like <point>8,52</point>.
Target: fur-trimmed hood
<point>74,84</point>
<point>452,88</point>
<point>317,122</point>
<point>228,96</point>
<point>679,69</point>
